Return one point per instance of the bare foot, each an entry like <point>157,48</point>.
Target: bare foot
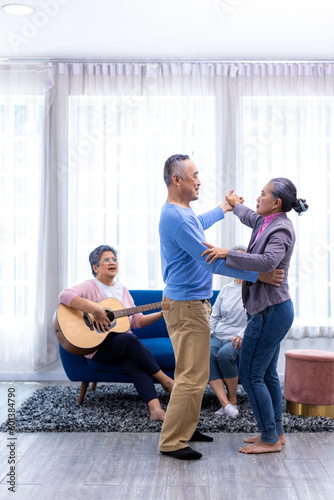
<point>256,439</point>
<point>166,382</point>
<point>168,385</point>
<point>156,412</point>
<point>261,447</point>
<point>157,415</point>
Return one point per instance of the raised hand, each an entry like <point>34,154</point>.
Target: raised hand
<point>233,199</point>
<point>225,206</point>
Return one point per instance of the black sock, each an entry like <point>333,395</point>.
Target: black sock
<point>183,454</point>
<point>198,436</point>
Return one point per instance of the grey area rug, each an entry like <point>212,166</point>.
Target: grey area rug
<point>118,408</point>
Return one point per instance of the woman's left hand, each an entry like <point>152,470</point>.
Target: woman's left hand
<point>237,341</point>
<point>214,253</point>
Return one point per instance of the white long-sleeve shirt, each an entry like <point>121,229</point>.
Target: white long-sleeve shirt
<point>228,317</point>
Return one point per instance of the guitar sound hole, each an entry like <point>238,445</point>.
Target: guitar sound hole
<point>111,318</point>
<point>110,315</point>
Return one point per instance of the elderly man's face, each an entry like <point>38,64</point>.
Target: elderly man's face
<point>191,183</point>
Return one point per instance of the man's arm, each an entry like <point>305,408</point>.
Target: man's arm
<point>212,216</point>
<point>265,262</point>
<point>189,238</point>
<point>274,277</point>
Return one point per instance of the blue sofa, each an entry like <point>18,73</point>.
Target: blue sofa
<point>155,337</point>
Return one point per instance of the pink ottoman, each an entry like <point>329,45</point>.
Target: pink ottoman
<point>309,382</point>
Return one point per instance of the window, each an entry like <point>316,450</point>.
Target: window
<point>292,137</point>
<point>117,149</point>
<point>21,146</point>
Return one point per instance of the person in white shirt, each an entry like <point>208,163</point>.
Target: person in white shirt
<point>228,321</point>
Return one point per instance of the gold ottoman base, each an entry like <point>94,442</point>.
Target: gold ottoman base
<point>310,410</point>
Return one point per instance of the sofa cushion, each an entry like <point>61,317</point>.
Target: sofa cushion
<point>155,337</point>
<point>162,350</point>
<point>157,329</point>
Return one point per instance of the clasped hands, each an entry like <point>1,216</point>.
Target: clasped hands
<point>230,201</point>
<point>213,253</point>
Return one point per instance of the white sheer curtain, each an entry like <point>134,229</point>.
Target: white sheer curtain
<point>286,129</point>
<point>25,340</point>
<point>124,121</point>
<point>241,123</point>
<point>82,154</point>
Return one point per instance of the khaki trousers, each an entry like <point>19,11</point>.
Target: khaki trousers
<point>188,325</point>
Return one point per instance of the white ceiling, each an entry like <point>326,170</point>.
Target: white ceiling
<point>171,30</point>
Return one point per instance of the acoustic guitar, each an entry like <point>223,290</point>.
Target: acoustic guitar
<point>78,333</point>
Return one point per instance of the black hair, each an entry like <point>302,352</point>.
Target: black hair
<point>173,165</point>
<point>95,255</point>
<point>286,190</point>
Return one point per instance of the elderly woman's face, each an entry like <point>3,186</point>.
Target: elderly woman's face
<point>107,268</point>
<point>265,204</point>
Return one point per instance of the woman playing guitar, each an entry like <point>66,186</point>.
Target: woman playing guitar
<point>124,349</point>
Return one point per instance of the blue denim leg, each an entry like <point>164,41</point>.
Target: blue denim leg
<point>271,379</point>
<point>258,366</point>
<point>224,358</point>
<point>215,345</point>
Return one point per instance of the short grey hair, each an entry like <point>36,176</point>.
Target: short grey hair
<point>240,247</point>
<point>95,255</point>
<point>174,165</point>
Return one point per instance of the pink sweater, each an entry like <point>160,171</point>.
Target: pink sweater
<point>89,290</point>
<point>267,220</point>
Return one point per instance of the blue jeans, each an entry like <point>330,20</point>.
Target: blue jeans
<point>224,358</point>
<point>258,366</point>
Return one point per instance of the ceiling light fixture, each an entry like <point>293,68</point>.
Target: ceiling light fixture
<point>18,9</point>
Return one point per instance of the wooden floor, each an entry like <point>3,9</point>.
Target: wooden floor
<point>128,466</point>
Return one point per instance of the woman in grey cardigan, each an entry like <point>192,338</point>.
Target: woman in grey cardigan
<point>270,309</point>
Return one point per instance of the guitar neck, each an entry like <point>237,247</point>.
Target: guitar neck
<point>133,310</point>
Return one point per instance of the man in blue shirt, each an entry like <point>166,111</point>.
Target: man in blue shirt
<point>188,280</point>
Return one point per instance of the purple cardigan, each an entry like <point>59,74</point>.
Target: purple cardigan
<point>272,249</point>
